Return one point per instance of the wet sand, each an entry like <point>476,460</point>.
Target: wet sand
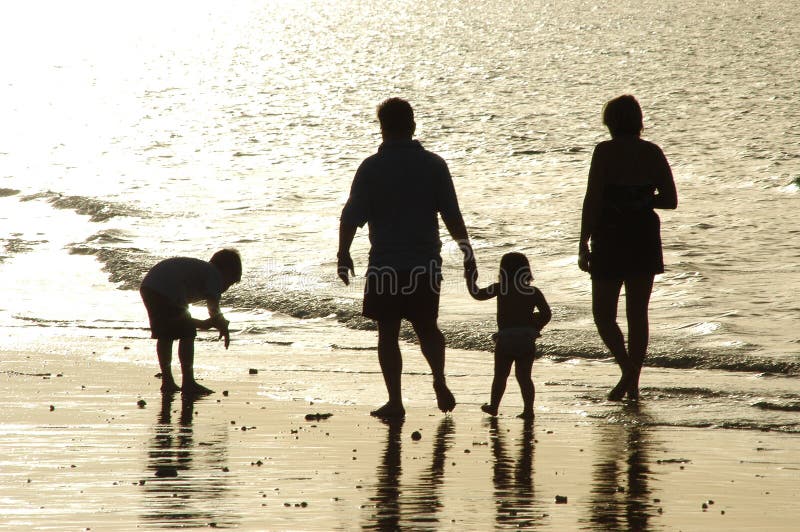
<point>95,446</point>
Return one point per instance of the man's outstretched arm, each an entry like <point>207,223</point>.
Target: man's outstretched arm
<point>457,229</point>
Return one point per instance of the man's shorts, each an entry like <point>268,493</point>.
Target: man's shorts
<point>167,320</point>
<point>395,295</point>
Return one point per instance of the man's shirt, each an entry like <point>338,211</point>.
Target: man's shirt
<point>399,192</point>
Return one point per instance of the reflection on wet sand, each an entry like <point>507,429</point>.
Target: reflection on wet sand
<point>515,505</point>
<point>186,484</point>
<point>624,446</point>
<point>420,502</point>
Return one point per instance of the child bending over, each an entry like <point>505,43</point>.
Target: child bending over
<point>167,290</point>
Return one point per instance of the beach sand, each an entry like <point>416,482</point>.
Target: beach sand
<point>93,445</point>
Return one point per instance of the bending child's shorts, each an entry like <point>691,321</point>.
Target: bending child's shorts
<point>167,320</point>
<point>516,341</point>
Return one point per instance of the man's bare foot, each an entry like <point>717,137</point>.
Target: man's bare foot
<point>444,397</point>
<point>526,414</point>
<point>389,411</point>
<point>168,387</point>
<point>489,409</point>
<point>196,390</point>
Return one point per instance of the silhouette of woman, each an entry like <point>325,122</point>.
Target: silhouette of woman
<point>629,177</point>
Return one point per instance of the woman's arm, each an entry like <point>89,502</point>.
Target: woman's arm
<point>667,195</point>
<point>591,207</point>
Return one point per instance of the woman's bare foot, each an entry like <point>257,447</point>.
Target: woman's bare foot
<point>489,409</point>
<point>195,390</point>
<point>526,414</point>
<point>389,411</point>
<point>444,397</point>
<point>619,391</point>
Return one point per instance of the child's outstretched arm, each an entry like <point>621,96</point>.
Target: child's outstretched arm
<point>481,294</point>
<point>542,313</point>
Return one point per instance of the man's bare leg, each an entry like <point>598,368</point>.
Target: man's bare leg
<point>431,341</point>
<point>391,362</point>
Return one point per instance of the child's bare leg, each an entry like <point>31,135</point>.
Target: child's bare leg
<point>164,351</point>
<point>186,356</point>
<point>502,369</point>
<point>522,370</point>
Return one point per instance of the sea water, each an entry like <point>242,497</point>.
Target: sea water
<point>138,131</point>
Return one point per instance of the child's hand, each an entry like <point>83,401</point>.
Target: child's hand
<point>221,324</point>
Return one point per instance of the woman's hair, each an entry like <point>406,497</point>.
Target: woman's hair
<point>515,273</point>
<point>623,116</point>
<point>228,260</point>
<point>396,117</point>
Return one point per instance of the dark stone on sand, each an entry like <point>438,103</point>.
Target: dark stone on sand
<point>52,408</point>
<point>317,416</point>
<point>416,436</point>
<point>704,506</point>
<point>561,499</point>
<point>225,393</point>
<point>141,403</point>
<point>253,371</point>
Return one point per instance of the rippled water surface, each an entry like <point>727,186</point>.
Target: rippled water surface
<point>151,130</point>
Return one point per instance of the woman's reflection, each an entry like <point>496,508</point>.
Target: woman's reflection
<point>621,494</point>
<point>178,492</point>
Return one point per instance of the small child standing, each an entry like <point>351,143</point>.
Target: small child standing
<point>518,324</point>
<point>167,290</point>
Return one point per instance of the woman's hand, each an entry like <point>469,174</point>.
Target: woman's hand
<point>584,257</point>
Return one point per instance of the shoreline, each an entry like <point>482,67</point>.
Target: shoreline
<point>240,459</point>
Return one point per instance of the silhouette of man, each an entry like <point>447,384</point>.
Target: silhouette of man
<point>399,191</point>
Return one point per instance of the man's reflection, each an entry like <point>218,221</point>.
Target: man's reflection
<point>621,494</point>
<point>387,492</point>
<point>178,492</point>
<point>515,504</point>
<point>419,504</point>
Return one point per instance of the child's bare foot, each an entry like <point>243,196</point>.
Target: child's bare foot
<point>389,411</point>
<point>196,390</point>
<point>489,409</point>
<point>527,414</point>
<point>444,397</point>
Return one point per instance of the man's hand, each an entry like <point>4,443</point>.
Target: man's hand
<point>470,267</point>
<point>472,280</point>
<point>344,264</point>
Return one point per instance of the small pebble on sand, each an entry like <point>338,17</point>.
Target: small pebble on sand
<point>416,435</point>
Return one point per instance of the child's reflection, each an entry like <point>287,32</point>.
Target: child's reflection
<point>515,503</point>
<point>177,491</point>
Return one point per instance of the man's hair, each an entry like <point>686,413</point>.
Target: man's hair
<point>229,261</point>
<point>623,116</point>
<point>396,117</point>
